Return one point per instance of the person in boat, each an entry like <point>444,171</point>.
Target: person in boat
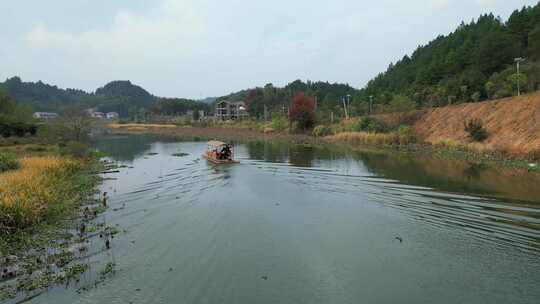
<point>225,152</point>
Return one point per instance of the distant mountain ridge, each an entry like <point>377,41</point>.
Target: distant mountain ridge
<point>41,96</point>
<point>128,99</point>
<point>120,96</point>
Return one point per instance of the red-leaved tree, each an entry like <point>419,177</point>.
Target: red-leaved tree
<point>302,111</point>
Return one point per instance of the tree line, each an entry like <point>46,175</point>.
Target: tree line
<point>15,119</point>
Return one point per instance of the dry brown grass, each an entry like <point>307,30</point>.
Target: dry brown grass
<point>513,124</point>
<point>39,184</point>
<point>475,147</point>
<point>365,138</point>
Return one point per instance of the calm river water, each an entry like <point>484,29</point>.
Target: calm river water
<point>299,224</point>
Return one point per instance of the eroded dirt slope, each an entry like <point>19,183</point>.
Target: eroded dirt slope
<point>513,123</point>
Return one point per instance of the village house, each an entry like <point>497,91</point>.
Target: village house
<point>112,115</point>
<point>227,110</point>
<point>97,115</point>
<point>45,115</point>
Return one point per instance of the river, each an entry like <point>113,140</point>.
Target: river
<point>305,224</point>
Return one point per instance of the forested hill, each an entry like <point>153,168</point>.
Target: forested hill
<point>475,62</point>
<point>124,97</point>
<point>42,96</point>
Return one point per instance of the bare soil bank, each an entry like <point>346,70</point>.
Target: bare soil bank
<point>513,124</point>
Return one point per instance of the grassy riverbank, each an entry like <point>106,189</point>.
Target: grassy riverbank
<point>40,194</point>
<point>229,132</point>
<point>38,191</point>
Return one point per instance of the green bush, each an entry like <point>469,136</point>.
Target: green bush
<point>476,129</point>
<point>8,162</point>
<point>183,121</point>
<point>322,130</point>
<point>370,124</point>
<point>76,149</point>
<point>18,129</point>
<point>279,123</point>
<point>406,135</point>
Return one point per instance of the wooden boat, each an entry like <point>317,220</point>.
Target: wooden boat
<point>219,153</point>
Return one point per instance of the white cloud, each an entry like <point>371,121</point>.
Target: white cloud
<point>172,26</point>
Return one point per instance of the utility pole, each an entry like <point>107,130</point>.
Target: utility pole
<point>345,107</point>
<point>348,102</point>
<point>518,61</point>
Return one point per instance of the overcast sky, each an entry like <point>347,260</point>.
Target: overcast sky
<point>200,48</point>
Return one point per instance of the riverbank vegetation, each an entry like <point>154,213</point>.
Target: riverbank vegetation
<point>41,189</point>
<point>38,169</point>
<point>47,177</point>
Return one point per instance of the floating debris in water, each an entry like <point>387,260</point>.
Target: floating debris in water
<point>180,154</point>
<point>399,239</point>
<point>121,208</point>
<point>110,171</point>
<point>109,269</point>
<point>264,277</point>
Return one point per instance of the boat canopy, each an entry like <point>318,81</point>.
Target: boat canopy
<point>216,143</point>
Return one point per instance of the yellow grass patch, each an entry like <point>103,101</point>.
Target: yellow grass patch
<point>40,183</point>
<point>366,138</point>
<point>474,147</point>
<point>141,127</point>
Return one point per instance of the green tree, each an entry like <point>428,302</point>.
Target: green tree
<point>518,79</point>
<point>534,43</point>
<point>400,103</point>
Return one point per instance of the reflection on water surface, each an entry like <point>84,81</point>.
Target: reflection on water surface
<point>301,224</point>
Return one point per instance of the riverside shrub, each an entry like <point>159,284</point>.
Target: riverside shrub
<point>475,129</point>
<point>279,123</point>
<point>369,124</point>
<point>322,130</point>
<point>406,135</point>
<point>8,162</point>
